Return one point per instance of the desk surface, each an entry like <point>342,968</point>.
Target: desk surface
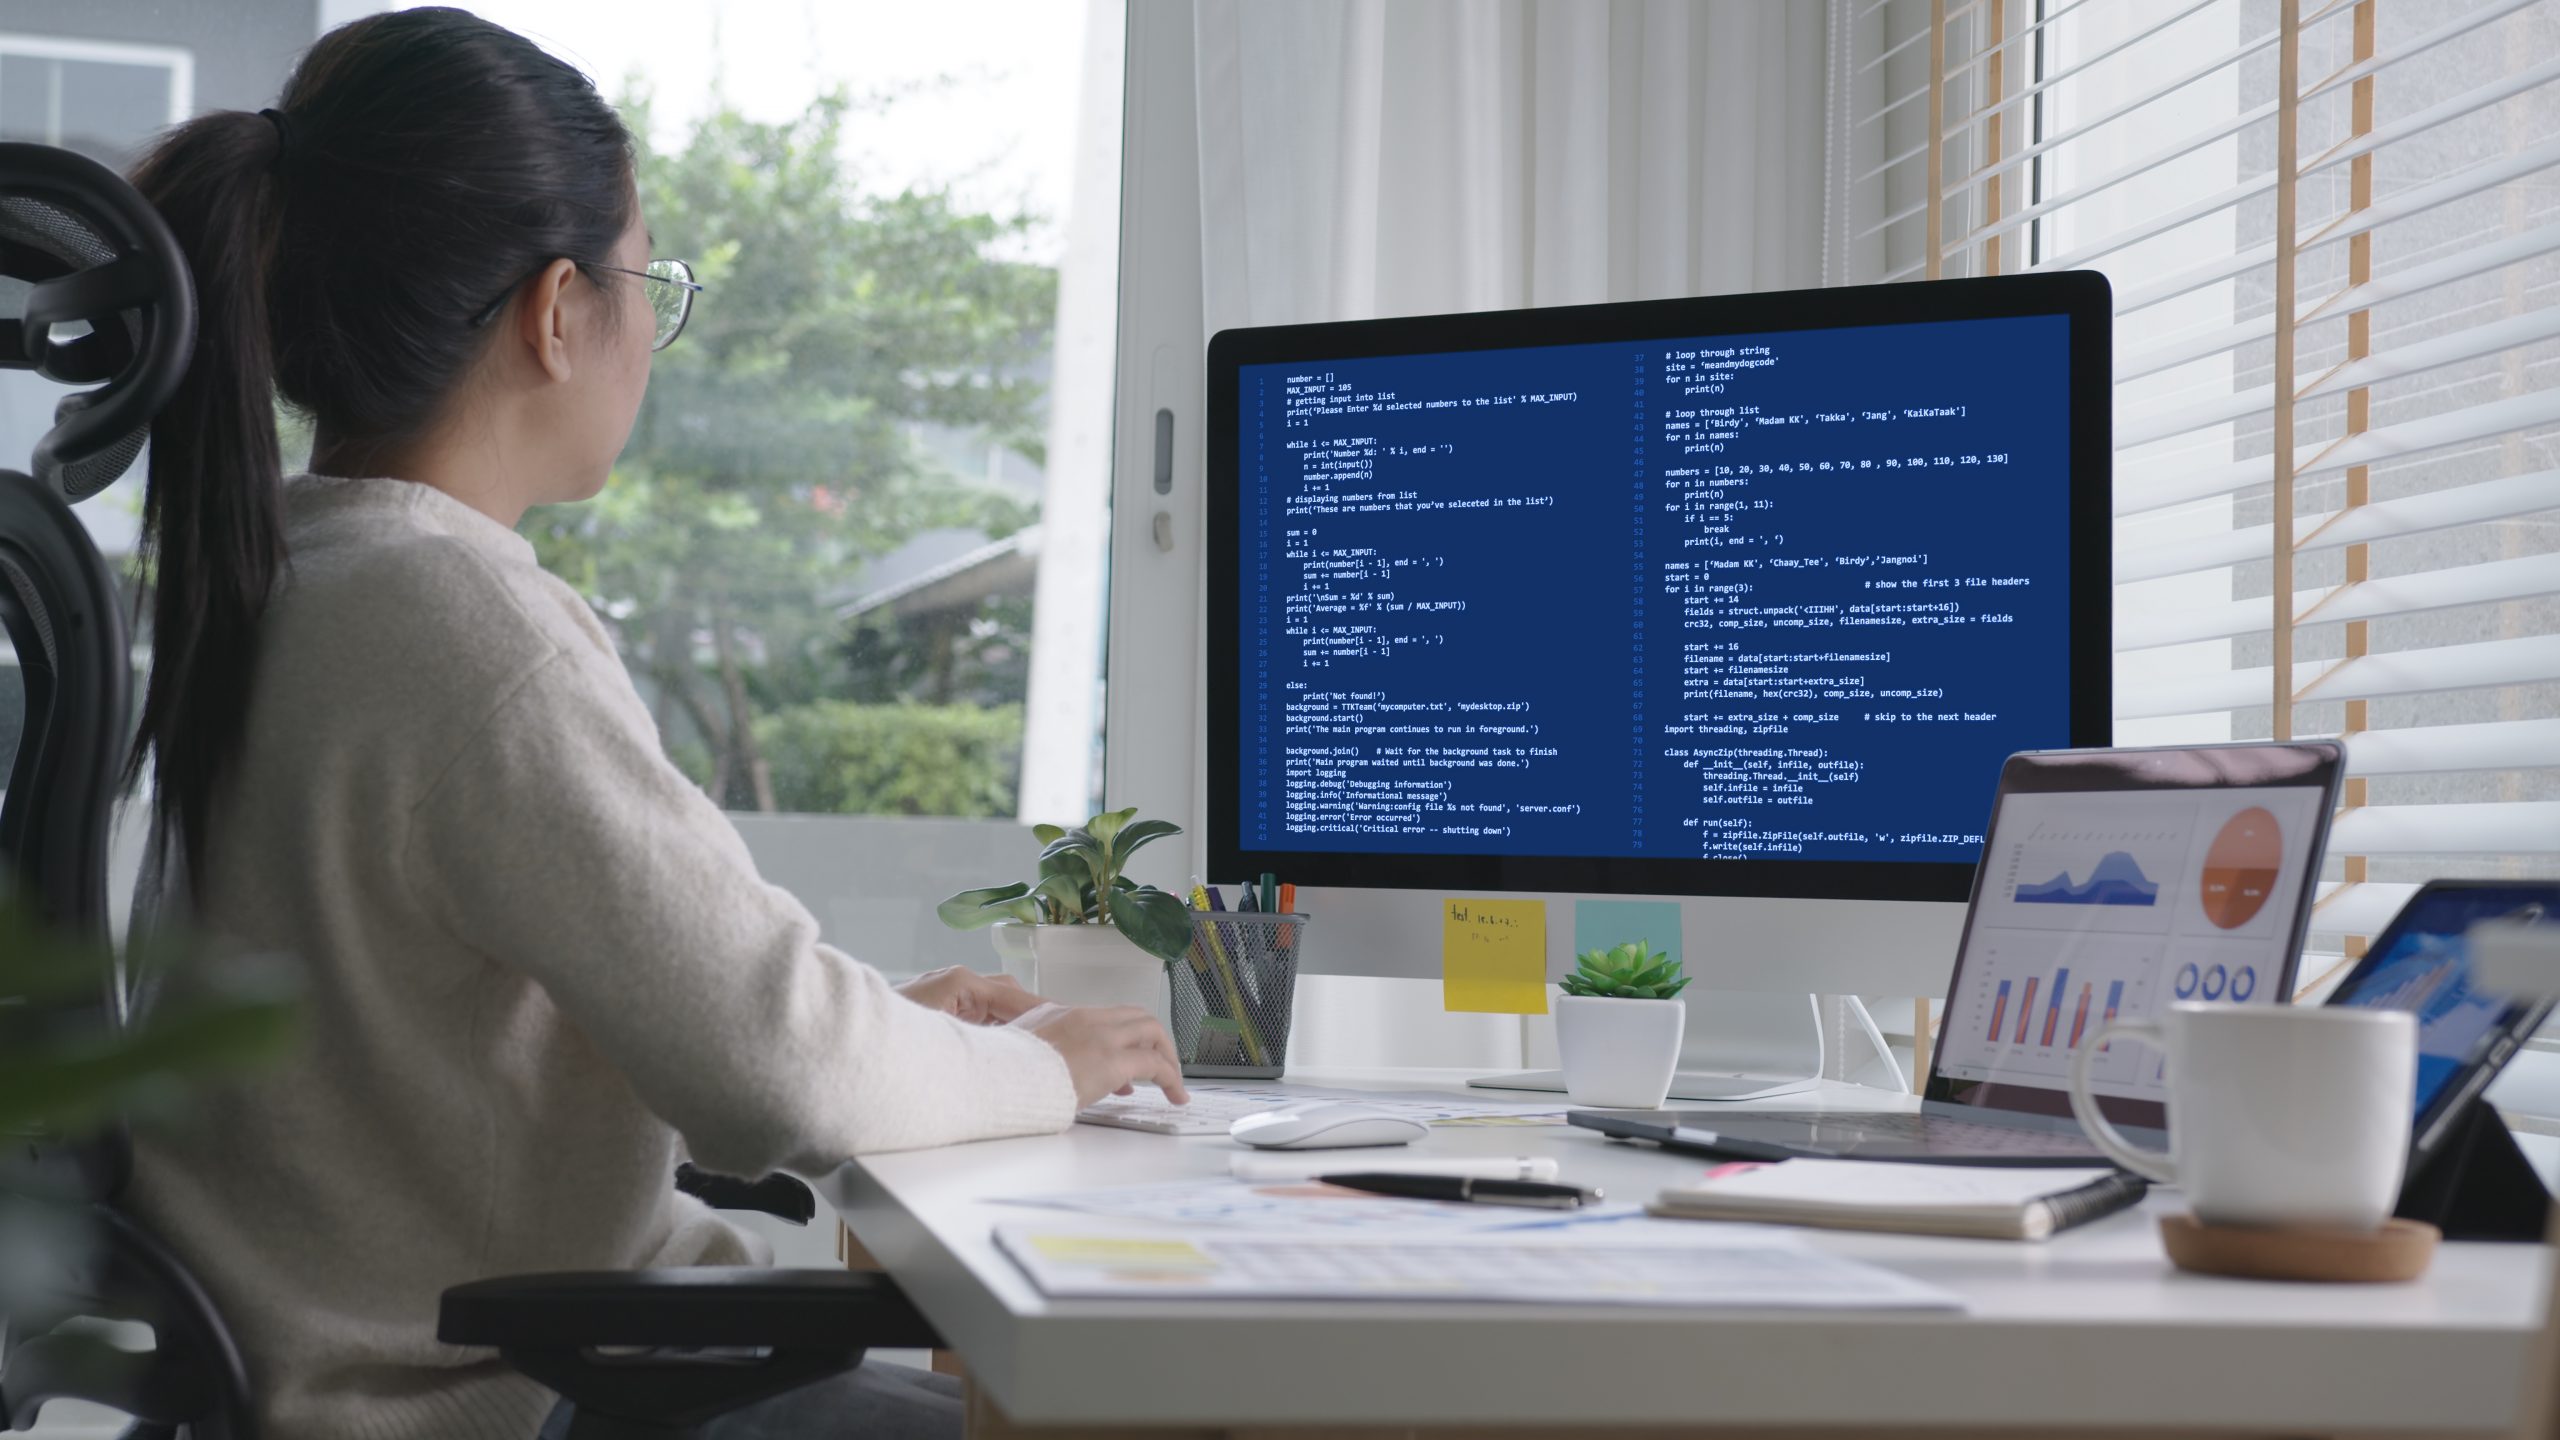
<point>2090,1329</point>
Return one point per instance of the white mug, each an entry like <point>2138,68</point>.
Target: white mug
<point>2278,1114</point>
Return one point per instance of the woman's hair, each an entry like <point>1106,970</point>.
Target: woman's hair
<point>346,247</point>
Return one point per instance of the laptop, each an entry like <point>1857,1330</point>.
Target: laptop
<point>2112,882</point>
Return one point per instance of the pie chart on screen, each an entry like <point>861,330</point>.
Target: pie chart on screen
<point>2240,868</point>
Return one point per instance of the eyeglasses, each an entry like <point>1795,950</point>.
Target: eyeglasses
<point>671,291</point>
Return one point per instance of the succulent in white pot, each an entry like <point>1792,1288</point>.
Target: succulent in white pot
<point>1618,1026</point>
<point>1082,932</point>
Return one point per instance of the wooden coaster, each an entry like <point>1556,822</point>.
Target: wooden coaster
<point>2398,1251</point>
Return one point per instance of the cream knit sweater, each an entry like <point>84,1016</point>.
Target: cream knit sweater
<point>539,960</point>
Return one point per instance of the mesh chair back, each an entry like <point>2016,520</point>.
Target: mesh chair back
<point>109,301</point>
<point>58,604</point>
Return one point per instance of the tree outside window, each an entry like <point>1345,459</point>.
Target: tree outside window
<point>852,354</point>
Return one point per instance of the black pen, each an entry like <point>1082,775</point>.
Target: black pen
<point>1467,1187</point>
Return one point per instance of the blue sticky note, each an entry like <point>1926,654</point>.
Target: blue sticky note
<point>1601,924</point>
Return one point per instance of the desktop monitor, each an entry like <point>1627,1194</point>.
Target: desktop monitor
<point>1738,601</point>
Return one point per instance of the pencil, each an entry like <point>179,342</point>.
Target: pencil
<point>1227,979</point>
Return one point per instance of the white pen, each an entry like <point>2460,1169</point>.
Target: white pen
<point>1266,1167</point>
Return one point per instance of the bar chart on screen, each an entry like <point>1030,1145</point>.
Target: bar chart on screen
<point>2050,995</point>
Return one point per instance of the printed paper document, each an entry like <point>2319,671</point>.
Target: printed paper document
<point>1756,1272</point>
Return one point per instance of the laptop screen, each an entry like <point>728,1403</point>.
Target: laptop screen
<point>2112,884</point>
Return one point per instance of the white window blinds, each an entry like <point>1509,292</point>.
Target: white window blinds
<point>2333,231</point>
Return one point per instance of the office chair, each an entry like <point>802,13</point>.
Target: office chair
<point>108,299</point>
<point>100,262</point>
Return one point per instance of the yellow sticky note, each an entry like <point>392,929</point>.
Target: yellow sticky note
<point>1493,956</point>
<point>1115,1250</point>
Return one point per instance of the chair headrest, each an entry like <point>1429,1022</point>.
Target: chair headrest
<point>110,300</point>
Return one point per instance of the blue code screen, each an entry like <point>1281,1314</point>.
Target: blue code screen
<point>1783,596</point>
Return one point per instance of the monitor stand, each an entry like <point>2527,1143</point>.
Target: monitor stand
<point>1739,1045</point>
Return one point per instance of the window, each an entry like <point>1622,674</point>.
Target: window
<point>823,549</point>
<point>824,553</point>
<point>102,98</point>
<point>2361,197</point>
<point>855,555</point>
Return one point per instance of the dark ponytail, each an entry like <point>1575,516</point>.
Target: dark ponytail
<point>213,526</point>
<point>346,248</point>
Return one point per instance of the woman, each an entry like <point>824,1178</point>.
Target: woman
<point>386,741</point>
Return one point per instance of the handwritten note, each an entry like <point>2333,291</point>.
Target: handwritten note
<point>1493,956</point>
<point>1604,924</point>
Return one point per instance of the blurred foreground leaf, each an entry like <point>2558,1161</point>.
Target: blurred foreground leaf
<point>64,1067</point>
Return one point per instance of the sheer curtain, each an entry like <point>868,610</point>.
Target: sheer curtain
<point>1362,158</point>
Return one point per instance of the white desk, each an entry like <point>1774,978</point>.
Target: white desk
<point>2092,1332</point>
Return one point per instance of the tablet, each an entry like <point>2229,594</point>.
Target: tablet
<point>2421,963</point>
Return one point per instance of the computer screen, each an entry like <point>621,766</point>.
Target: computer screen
<point>1653,598</point>
<point>2116,884</point>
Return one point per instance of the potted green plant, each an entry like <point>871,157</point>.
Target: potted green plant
<point>1618,1026</point>
<point>1081,931</point>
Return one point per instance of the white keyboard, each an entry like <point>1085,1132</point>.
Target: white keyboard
<point>1209,1113</point>
<point>1215,1107</point>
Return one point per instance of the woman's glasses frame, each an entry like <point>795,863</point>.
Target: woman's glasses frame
<point>678,278</point>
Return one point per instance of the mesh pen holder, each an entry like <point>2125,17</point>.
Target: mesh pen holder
<point>1232,993</point>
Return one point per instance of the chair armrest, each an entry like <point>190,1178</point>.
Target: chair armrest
<point>692,1306</point>
<point>662,1353</point>
<point>778,1195</point>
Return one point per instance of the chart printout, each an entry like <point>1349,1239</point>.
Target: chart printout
<point>1792,595</point>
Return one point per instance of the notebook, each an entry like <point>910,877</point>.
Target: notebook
<point>1992,1204</point>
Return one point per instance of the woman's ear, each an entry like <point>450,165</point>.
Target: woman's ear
<point>542,318</point>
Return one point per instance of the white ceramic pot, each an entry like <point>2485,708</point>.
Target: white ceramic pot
<point>1012,940</point>
<point>1619,1054</point>
<point>1085,965</point>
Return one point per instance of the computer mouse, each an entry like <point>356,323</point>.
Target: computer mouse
<point>1326,1127</point>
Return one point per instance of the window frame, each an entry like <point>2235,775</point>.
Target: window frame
<point>1153,751</point>
<point>179,62</point>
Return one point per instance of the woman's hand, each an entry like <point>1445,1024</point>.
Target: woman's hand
<point>978,999</point>
<point>1109,1048</point>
